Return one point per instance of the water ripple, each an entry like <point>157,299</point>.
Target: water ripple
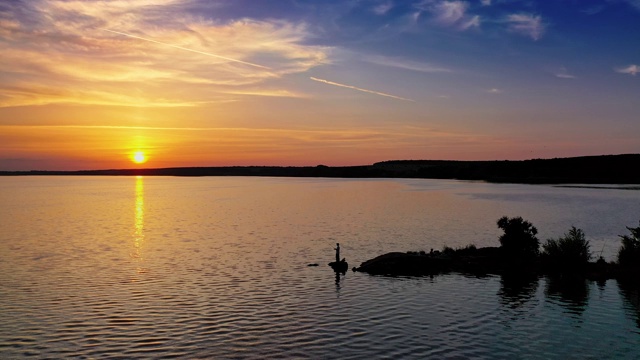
<point>196,277</point>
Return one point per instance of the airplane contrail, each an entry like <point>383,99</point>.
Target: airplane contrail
<point>359,89</point>
<point>187,49</point>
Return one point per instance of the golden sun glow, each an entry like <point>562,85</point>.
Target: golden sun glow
<point>139,157</point>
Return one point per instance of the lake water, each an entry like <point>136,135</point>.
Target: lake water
<point>216,267</point>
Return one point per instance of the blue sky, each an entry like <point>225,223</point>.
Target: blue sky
<point>304,82</point>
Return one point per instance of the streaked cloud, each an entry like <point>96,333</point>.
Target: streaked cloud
<point>597,8</point>
<point>485,2</point>
<point>562,73</point>
<point>594,9</point>
<point>633,3</point>
<point>270,93</point>
<point>401,63</point>
<point>36,94</point>
<point>383,8</point>
<point>494,91</point>
<point>187,49</point>
<point>451,13</point>
<point>469,22</point>
<point>631,69</point>
<point>527,24</point>
<point>137,54</point>
<point>359,89</point>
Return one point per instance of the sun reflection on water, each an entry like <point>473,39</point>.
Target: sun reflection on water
<point>138,230</point>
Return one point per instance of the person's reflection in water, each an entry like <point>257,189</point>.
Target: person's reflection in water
<point>339,275</point>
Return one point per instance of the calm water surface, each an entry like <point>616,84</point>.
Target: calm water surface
<point>163,267</point>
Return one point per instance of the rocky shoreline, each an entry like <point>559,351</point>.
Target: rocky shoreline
<point>482,262</point>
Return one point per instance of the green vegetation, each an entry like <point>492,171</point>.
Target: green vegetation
<point>519,241</point>
<point>568,252</point>
<point>629,253</point>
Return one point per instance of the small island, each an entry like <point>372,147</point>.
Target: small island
<point>519,253</point>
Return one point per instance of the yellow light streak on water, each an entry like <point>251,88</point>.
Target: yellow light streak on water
<point>138,230</point>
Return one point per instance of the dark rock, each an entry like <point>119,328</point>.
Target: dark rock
<point>397,263</point>
<point>484,261</point>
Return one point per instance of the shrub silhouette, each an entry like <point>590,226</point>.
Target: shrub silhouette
<point>629,253</point>
<point>519,240</point>
<point>570,251</point>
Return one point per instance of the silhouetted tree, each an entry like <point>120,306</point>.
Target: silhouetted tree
<point>568,252</point>
<point>629,253</point>
<point>519,240</point>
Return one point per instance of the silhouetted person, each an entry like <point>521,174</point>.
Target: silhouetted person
<point>337,252</point>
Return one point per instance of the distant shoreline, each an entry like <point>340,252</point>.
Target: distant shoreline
<point>604,169</point>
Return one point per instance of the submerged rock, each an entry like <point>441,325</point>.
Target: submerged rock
<point>483,261</point>
<point>397,263</point>
<point>473,260</point>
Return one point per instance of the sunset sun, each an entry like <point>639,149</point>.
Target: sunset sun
<point>139,157</point>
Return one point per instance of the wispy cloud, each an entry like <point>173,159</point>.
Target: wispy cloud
<point>149,49</point>
<point>562,73</point>
<point>401,63</point>
<point>383,8</point>
<point>494,91</point>
<point>187,49</point>
<point>631,69</point>
<point>527,24</point>
<point>269,93</point>
<point>601,6</point>
<point>171,128</point>
<point>485,2</point>
<point>634,3</point>
<point>359,89</point>
<point>469,22</point>
<point>594,9</point>
<point>450,13</point>
<point>36,94</point>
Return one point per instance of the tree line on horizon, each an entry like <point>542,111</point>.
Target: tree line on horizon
<point>605,169</point>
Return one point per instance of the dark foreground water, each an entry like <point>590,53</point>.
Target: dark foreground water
<point>123,267</point>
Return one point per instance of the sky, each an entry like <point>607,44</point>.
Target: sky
<point>101,84</point>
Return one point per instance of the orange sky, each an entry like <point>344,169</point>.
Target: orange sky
<point>195,83</point>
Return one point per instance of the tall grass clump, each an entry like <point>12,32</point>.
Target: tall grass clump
<point>629,253</point>
<point>571,251</point>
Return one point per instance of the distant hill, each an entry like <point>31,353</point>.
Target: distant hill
<point>606,169</point>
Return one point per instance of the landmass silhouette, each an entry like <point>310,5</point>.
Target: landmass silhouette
<point>519,255</point>
<point>603,169</point>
